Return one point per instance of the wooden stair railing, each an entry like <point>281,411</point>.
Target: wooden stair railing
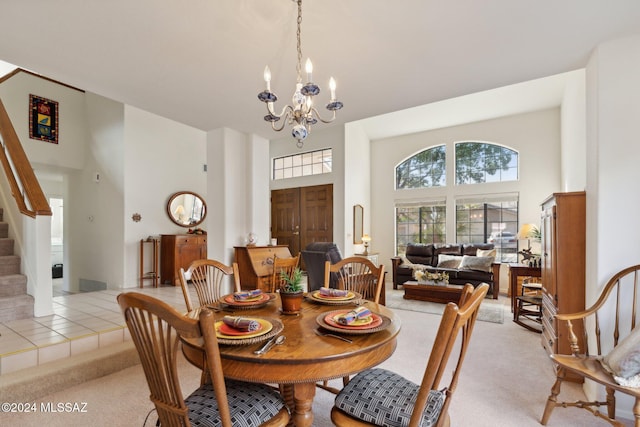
<point>25,187</point>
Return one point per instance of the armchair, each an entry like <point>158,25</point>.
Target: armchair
<point>314,257</point>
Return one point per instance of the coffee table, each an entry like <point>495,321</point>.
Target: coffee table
<point>433,293</point>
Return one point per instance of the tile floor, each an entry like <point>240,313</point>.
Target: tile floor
<point>79,323</point>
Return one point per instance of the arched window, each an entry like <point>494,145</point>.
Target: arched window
<point>478,162</point>
<point>425,169</point>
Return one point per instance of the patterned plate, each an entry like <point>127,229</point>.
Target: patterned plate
<point>252,303</point>
<point>326,321</point>
<point>276,328</point>
<point>224,331</point>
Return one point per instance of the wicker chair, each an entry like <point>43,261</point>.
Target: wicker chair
<point>206,276</point>
<point>606,323</point>
<point>155,329</point>
<point>357,274</point>
<point>377,397</point>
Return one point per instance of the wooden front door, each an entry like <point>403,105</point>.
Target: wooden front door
<point>302,215</point>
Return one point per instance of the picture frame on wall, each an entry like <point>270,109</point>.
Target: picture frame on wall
<point>43,119</point>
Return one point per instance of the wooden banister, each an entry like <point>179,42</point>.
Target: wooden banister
<point>25,187</point>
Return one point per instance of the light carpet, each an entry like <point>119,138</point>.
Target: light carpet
<point>490,310</point>
<point>504,382</point>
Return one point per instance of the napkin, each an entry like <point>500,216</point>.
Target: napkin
<point>330,292</point>
<point>245,295</point>
<point>241,323</point>
<point>353,315</point>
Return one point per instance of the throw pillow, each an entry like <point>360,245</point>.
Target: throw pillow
<point>479,263</point>
<point>624,360</point>
<point>486,252</point>
<point>449,261</point>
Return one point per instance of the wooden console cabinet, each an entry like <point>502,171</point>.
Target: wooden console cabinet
<point>255,264</point>
<point>563,267</point>
<point>178,251</point>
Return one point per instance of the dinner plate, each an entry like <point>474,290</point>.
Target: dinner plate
<point>326,321</point>
<point>265,327</point>
<point>373,321</point>
<point>225,329</point>
<point>250,303</point>
<point>351,298</point>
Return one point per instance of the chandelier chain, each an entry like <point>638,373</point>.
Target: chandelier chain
<point>299,45</point>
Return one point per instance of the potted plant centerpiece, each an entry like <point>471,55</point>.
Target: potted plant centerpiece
<point>291,291</point>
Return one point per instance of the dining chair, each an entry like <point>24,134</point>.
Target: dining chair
<point>286,265</point>
<point>357,274</point>
<point>378,397</point>
<point>207,277</point>
<point>604,342</point>
<point>156,329</point>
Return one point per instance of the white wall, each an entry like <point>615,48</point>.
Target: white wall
<point>613,90</point>
<point>535,136</point>
<point>357,189</point>
<point>161,157</point>
<point>574,129</point>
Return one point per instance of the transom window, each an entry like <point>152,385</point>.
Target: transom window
<point>425,169</point>
<point>478,162</point>
<point>303,164</point>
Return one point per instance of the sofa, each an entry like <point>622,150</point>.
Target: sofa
<point>464,263</point>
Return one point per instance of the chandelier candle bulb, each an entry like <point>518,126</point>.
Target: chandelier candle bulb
<point>308,67</point>
<point>267,77</point>
<point>332,86</point>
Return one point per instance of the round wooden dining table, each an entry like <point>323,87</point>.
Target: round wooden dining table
<point>304,358</point>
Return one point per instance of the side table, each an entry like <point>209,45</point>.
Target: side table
<point>371,256</point>
<point>515,271</point>
<point>154,274</point>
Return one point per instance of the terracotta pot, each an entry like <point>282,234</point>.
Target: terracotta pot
<point>291,302</point>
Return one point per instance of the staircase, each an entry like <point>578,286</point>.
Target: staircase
<point>14,302</point>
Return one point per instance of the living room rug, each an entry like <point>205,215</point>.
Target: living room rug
<point>490,310</point>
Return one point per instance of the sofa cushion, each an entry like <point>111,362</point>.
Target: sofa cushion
<point>472,248</point>
<point>480,263</point>
<point>449,261</point>
<point>486,252</point>
<point>419,253</point>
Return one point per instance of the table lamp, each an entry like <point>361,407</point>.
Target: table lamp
<point>525,233</point>
<point>366,240</point>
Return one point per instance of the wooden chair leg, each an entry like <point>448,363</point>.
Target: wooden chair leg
<point>611,403</point>
<point>636,412</point>
<point>553,397</point>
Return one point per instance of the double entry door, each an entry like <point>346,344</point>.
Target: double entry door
<point>302,215</point>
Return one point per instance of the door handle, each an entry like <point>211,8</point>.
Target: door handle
<point>295,233</point>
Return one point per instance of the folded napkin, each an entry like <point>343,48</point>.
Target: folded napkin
<point>245,295</point>
<point>353,315</point>
<point>241,323</point>
<point>330,292</point>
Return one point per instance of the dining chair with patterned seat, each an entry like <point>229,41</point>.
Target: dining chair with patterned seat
<point>207,277</point>
<point>156,329</point>
<point>378,397</point>
<point>357,274</point>
<point>282,265</point>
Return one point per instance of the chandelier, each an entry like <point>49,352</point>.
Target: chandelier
<point>301,114</point>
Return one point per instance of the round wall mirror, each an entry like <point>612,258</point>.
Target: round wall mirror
<point>186,209</point>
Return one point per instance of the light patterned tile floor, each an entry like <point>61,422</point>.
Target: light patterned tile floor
<point>83,320</point>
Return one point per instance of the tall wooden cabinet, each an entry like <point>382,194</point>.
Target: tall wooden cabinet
<point>178,251</point>
<point>563,226</point>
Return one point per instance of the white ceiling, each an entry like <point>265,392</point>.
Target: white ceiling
<point>200,62</point>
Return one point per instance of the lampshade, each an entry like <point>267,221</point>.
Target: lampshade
<point>525,231</point>
<point>366,238</point>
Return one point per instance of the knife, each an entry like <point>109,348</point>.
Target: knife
<point>266,346</point>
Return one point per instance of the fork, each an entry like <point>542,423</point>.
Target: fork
<point>327,334</point>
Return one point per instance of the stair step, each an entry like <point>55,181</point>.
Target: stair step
<point>6,246</point>
<point>9,264</point>
<point>4,230</point>
<point>12,285</point>
<point>16,307</point>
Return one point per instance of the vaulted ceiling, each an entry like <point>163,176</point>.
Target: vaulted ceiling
<point>200,62</point>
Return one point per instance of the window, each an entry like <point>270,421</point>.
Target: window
<point>478,162</point>
<point>303,164</point>
<point>491,221</point>
<point>425,169</point>
<point>420,224</point>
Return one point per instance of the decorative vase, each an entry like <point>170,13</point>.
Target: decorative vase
<point>291,302</point>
